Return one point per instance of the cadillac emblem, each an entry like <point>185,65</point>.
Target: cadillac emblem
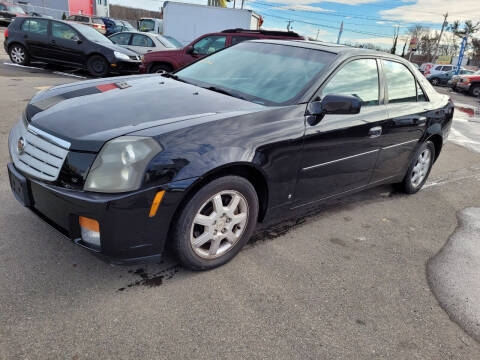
<point>20,146</point>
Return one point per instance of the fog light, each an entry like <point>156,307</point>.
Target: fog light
<point>90,230</point>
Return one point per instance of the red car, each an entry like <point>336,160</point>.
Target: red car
<point>170,60</point>
<point>9,11</point>
<point>470,84</point>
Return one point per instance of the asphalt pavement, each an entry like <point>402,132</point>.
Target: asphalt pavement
<point>347,281</point>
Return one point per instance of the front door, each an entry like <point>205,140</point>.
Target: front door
<point>64,44</point>
<point>35,33</point>
<point>340,152</point>
<point>408,110</point>
<point>204,46</point>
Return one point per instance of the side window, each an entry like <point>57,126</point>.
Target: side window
<point>239,39</point>
<point>358,78</point>
<point>439,68</point>
<point>3,7</point>
<point>63,31</point>
<point>36,26</point>
<point>209,45</point>
<point>142,40</point>
<point>420,94</point>
<point>400,83</point>
<point>121,39</point>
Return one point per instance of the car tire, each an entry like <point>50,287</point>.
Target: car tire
<point>419,168</point>
<point>160,68</point>
<point>19,55</point>
<point>475,90</point>
<point>435,82</point>
<point>205,237</point>
<point>98,66</point>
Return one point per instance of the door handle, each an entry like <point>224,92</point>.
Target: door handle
<point>421,120</point>
<point>53,42</point>
<point>375,131</point>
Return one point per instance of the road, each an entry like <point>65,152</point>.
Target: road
<point>347,281</point>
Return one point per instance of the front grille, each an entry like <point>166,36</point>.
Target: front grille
<point>42,155</point>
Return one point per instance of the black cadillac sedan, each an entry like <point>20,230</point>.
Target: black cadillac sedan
<point>197,158</point>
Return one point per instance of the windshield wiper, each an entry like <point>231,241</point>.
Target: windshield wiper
<point>174,77</point>
<point>222,91</point>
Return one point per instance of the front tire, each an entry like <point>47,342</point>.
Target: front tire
<point>435,82</point>
<point>98,66</point>
<point>160,69</point>
<point>19,55</point>
<point>216,223</point>
<point>475,90</point>
<point>419,168</point>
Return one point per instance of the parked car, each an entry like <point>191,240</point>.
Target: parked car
<point>444,78</point>
<point>199,157</point>
<point>470,83</point>
<point>454,79</point>
<point>425,67</point>
<point>66,43</point>
<point>94,22</point>
<point>440,69</point>
<point>161,61</point>
<point>142,43</point>
<point>9,11</point>
<point>114,26</point>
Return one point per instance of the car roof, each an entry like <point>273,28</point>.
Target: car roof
<point>331,47</point>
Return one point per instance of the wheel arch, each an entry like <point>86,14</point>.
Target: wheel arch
<point>437,141</point>
<point>245,170</point>
<point>161,62</point>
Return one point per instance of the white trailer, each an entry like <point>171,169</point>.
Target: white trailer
<point>186,22</point>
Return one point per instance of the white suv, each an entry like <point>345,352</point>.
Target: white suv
<point>440,69</point>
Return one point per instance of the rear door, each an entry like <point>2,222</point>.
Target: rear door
<point>64,44</point>
<point>35,34</point>
<point>341,151</point>
<point>408,110</point>
<point>141,44</point>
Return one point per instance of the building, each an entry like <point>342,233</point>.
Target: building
<point>57,8</point>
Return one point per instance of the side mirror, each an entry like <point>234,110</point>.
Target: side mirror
<point>332,104</point>
<point>189,50</point>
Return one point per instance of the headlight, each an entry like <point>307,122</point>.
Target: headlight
<point>121,164</point>
<point>120,56</point>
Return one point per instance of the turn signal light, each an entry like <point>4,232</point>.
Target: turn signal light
<point>90,231</point>
<point>156,203</point>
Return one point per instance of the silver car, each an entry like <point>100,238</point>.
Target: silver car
<point>143,43</point>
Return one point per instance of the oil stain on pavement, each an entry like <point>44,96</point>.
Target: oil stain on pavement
<point>454,273</point>
<point>152,279</point>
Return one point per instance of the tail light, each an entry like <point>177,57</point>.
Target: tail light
<point>6,33</point>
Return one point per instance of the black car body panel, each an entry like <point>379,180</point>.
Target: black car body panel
<point>44,47</point>
<point>204,133</point>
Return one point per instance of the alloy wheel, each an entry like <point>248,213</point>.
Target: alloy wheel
<point>422,165</point>
<point>18,55</point>
<point>434,82</point>
<point>219,224</point>
<point>476,91</point>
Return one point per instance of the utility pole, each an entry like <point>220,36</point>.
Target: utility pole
<point>318,32</point>
<point>434,59</point>
<point>340,33</point>
<point>288,25</point>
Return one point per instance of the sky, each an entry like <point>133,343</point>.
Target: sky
<point>365,21</point>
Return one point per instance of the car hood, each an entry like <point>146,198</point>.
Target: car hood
<point>89,113</point>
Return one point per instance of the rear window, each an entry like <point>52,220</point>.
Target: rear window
<point>97,21</point>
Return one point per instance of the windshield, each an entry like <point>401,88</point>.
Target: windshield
<point>174,41</point>
<point>166,42</point>
<point>16,9</point>
<point>128,25</point>
<point>263,73</point>
<point>146,25</point>
<point>92,34</point>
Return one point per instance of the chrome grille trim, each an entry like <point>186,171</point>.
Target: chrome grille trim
<point>43,154</point>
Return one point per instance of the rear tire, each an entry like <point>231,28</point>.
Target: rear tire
<point>475,90</point>
<point>19,55</point>
<point>435,82</point>
<point>160,68</point>
<point>216,223</point>
<point>419,168</point>
<point>98,66</point>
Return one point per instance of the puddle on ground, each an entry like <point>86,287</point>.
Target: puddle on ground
<point>454,273</point>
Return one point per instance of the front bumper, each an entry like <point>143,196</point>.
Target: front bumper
<point>127,232</point>
<point>126,67</point>
<point>143,68</point>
